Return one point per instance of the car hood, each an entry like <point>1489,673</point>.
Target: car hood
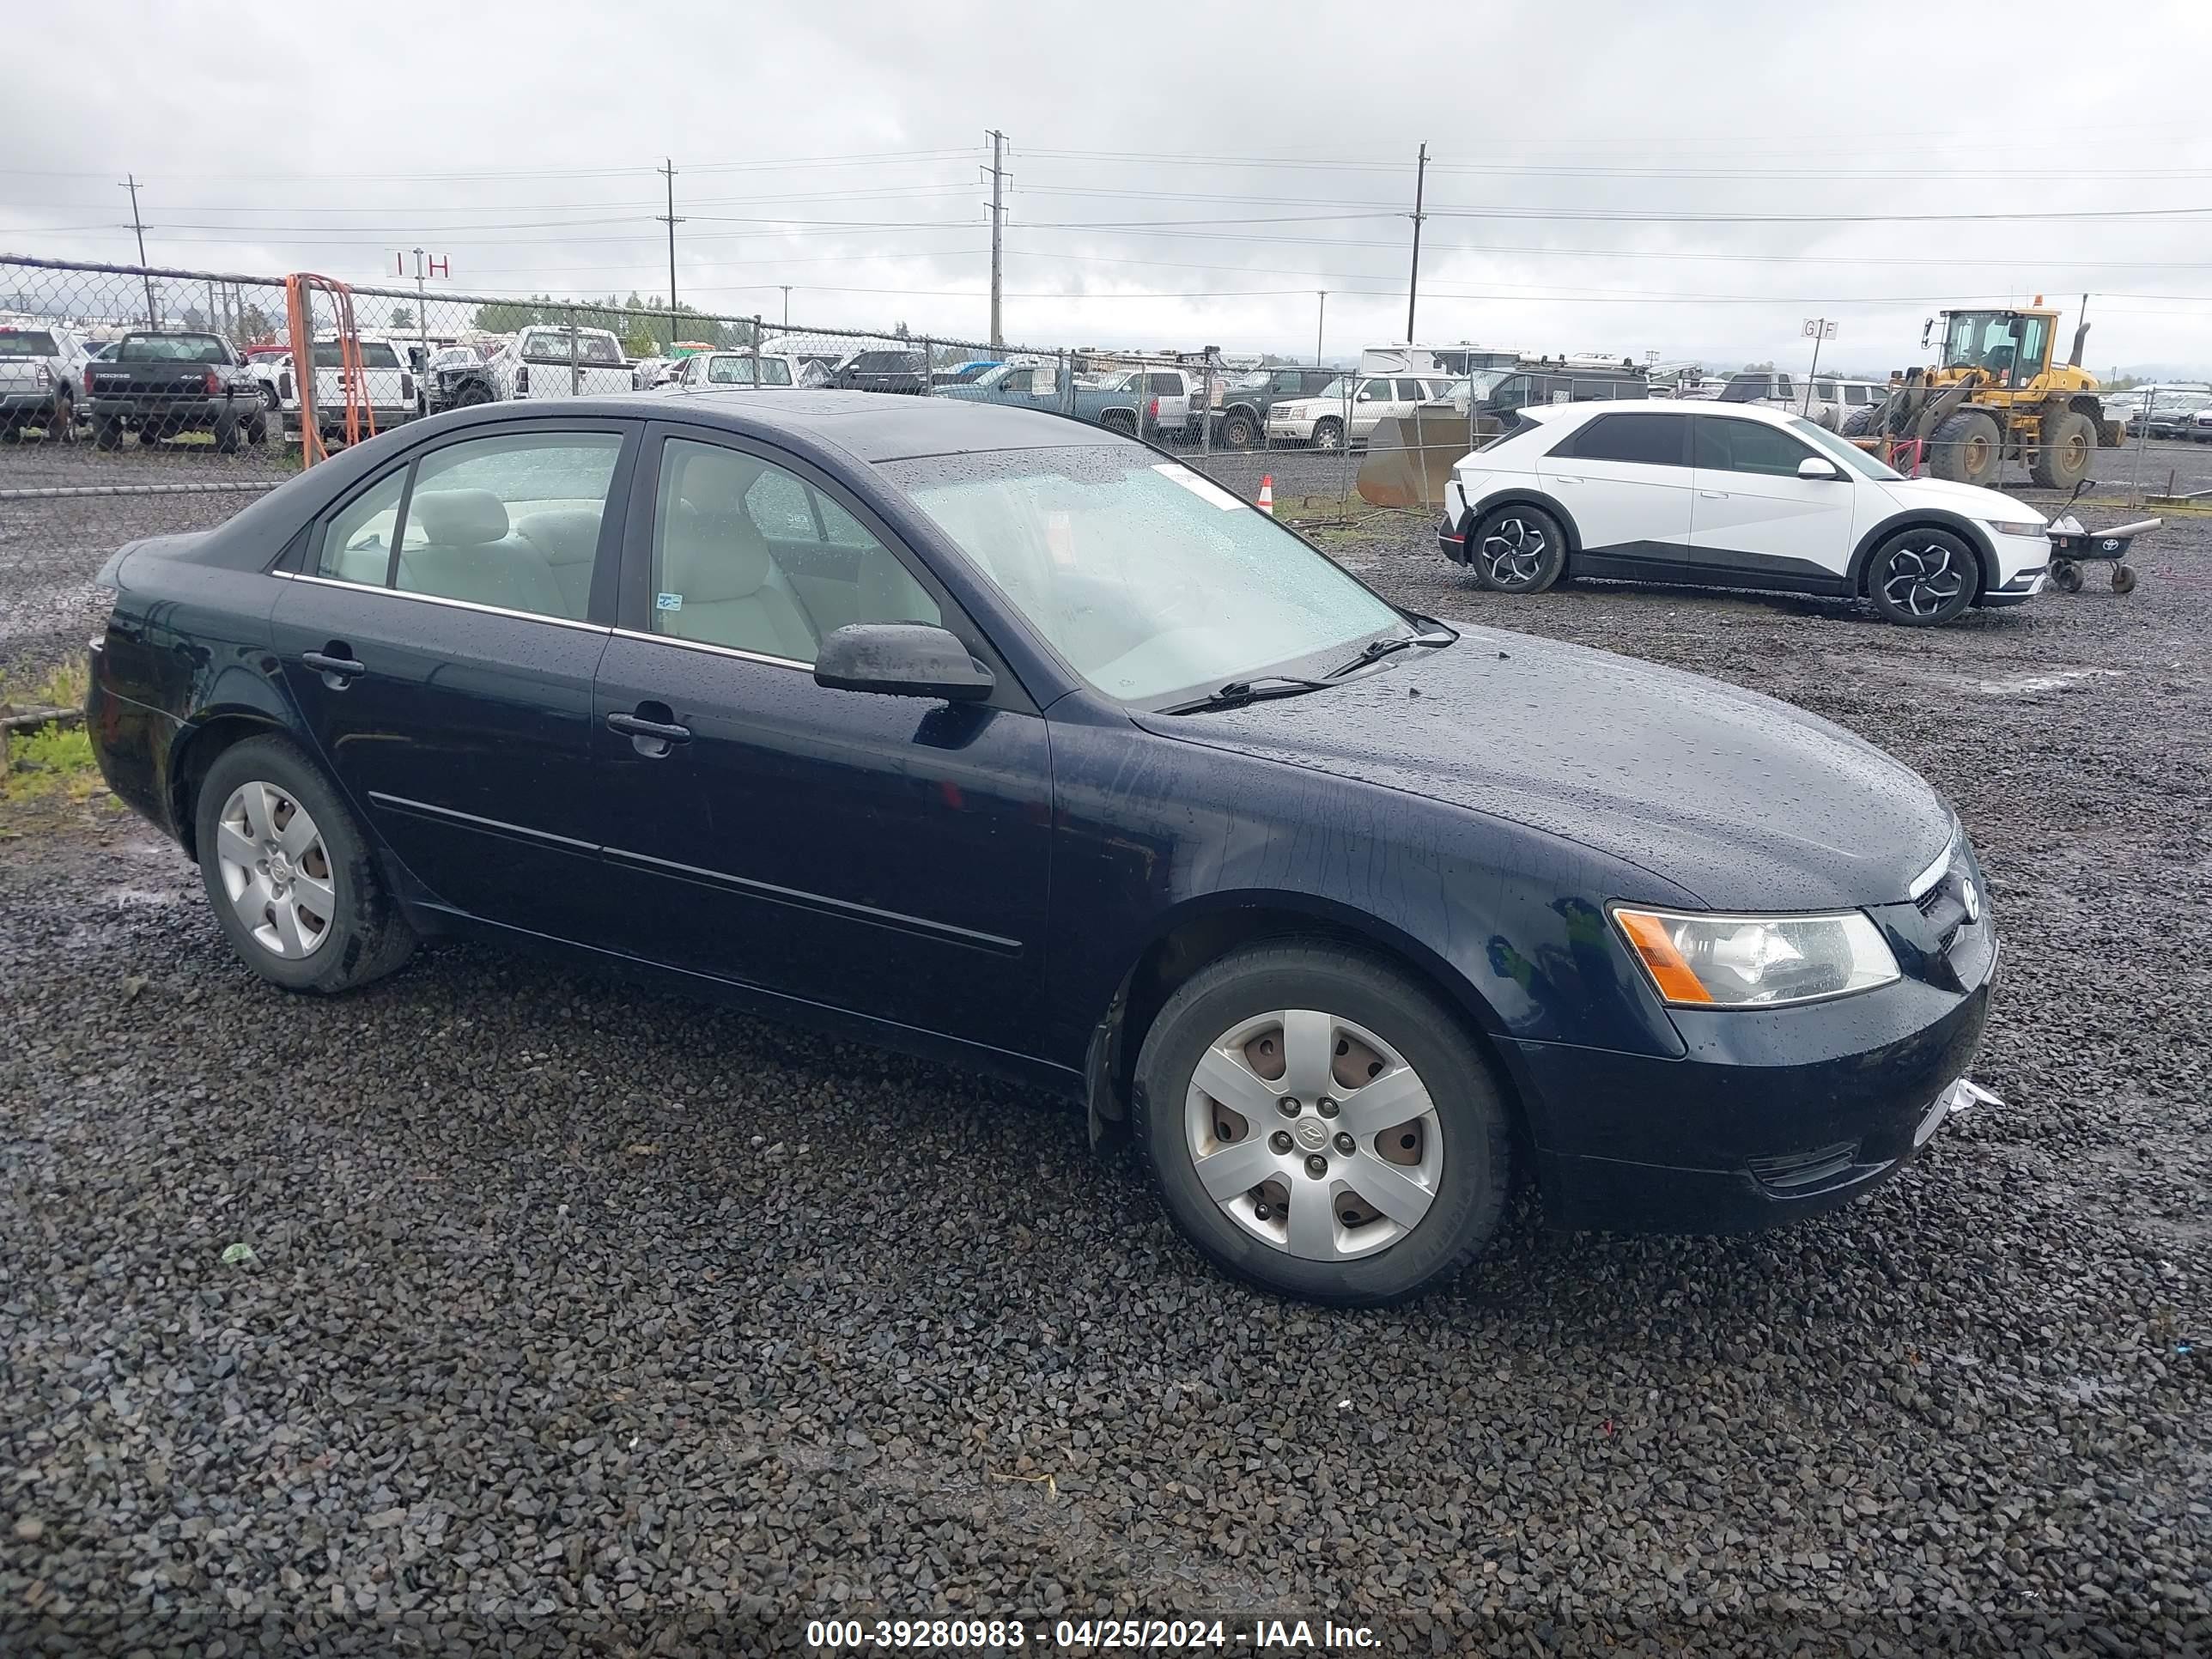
<point>1740,801</point>
<point>1967,501</point>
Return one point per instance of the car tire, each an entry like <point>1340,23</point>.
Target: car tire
<point>61,419</point>
<point>107,434</point>
<point>1518,550</point>
<point>270,400</point>
<point>251,805</point>
<point>151,434</point>
<point>10,433</point>
<point>2062,459</point>
<point>1857,424</point>
<point>1444,1169</point>
<point>1328,433</point>
<point>1922,578</point>
<point>1239,430</point>
<point>257,430</point>
<point>1967,448</point>
<point>226,437</point>
<point>471,396</point>
<point>1120,421</point>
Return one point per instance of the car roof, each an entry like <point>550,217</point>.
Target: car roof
<point>867,426</point>
<point>1665,406</point>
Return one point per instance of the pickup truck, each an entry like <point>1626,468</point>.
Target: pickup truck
<point>159,383</point>
<point>546,360</point>
<point>1151,402</point>
<point>41,373</point>
<point>387,384</point>
<point>1241,402</point>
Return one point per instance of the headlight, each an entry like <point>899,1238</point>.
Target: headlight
<point>1734,962</point>
<point>2029,528</point>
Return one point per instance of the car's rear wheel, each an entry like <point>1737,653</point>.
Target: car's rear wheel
<point>289,875</point>
<point>107,434</point>
<point>1518,550</point>
<point>1920,578</point>
<point>1239,430</point>
<point>1321,1126</point>
<point>1120,421</point>
<point>1329,434</point>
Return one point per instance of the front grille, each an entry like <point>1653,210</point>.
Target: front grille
<point>1791,1172</point>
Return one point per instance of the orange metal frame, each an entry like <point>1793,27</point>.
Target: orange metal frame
<point>300,290</point>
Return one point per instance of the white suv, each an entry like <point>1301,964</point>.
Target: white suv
<point>1364,403</point>
<point>1731,496</point>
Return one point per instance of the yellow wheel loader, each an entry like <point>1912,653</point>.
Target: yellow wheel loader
<point>1993,395</point>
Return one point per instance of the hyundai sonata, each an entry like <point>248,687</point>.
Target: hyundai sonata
<point>982,734</point>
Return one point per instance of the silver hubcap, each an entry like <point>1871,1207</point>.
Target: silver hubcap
<point>1922,580</point>
<point>276,870</point>
<point>1513,553</point>
<point>1325,437</point>
<point>1314,1135</point>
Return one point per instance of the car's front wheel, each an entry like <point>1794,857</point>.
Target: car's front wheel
<point>289,875</point>
<point>1321,1126</point>
<point>1920,578</point>
<point>1518,550</point>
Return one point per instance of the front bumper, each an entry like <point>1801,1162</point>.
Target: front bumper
<point>1289,431</point>
<point>1771,1114</point>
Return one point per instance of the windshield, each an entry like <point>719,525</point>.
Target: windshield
<point>1850,454</point>
<point>27,342</point>
<point>1478,386</point>
<point>550,346</point>
<point>1147,577</point>
<point>2001,342</point>
<point>375,354</point>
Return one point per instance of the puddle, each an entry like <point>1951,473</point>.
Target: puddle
<point>2055,679</point>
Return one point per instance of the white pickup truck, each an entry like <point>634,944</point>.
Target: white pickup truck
<point>41,378</point>
<point>387,384</point>
<point>553,360</point>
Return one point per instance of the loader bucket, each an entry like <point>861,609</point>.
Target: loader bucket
<point>1409,459</point>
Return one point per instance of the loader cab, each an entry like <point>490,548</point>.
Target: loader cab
<point>2012,346</point>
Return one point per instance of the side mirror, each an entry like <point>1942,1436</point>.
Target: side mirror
<point>1813,467</point>
<point>902,659</point>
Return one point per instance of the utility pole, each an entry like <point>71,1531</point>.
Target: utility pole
<point>998,232</point>
<point>1414,281</point>
<point>786,287</point>
<point>1320,317</point>
<point>667,170</point>
<point>130,183</point>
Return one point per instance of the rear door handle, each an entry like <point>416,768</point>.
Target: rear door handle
<point>1713,495</point>
<point>1558,478</point>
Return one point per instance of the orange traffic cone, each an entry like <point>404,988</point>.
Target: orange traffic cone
<point>1267,494</point>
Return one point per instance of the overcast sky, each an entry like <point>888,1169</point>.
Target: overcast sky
<point>1692,179</point>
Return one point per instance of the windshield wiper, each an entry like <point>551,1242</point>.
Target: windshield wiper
<point>1375,650</point>
<point>1260,688</point>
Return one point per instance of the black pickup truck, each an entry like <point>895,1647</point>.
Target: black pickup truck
<point>159,383</point>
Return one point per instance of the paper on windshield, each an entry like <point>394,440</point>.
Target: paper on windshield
<point>1199,484</point>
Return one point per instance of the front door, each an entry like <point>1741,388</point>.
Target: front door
<point>886,855</point>
<point>1754,517</point>
<point>440,638</point>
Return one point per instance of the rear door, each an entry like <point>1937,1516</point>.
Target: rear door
<point>439,637</point>
<point>885,855</point>
<point>1752,516</point>
<point>1626,478</point>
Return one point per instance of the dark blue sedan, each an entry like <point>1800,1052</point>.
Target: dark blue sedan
<point>986,735</point>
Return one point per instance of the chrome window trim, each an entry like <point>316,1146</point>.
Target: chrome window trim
<point>710,646</point>
<point>439,598</point>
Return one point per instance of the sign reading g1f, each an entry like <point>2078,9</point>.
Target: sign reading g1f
<point>1818,328</point>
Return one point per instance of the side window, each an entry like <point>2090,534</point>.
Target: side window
<point>1646,439</point>
<point>1783,389</point>
<point>1411,392</point>
<point>510,521</point>
<point>1825,391</point>
<point>1374,391</point>
<point>748,555</point>
<point>357,542</point>
<point>1165,386</point>
<point>1747,446</point>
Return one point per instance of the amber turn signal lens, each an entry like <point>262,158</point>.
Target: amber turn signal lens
<point>1669,971</point>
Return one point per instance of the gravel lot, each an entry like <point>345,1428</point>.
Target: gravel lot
<point>578,1319</point>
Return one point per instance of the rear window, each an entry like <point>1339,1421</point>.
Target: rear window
<point>886,363</point>
<point>27,342</point>
<point>551,346</point>
<point>173,348</point>
<point>375,354</point>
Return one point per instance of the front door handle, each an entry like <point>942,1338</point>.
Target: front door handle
<point>631,727</point>
<point>336,664</point>
<point>1558,478</point>
<point>1713,495</point>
